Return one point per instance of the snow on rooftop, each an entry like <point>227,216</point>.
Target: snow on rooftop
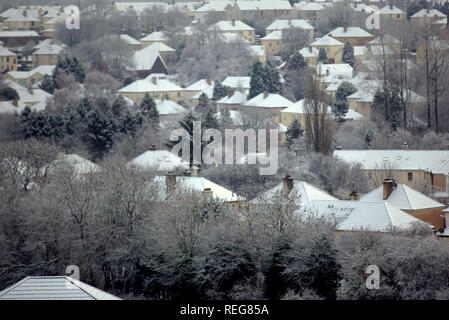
<point>326,41</point>
<point>289,23</point>
<point>272,100</point>
<point>145,58</point>
<point>128,39</point>
<point>237,82</point>
<point>353,32</point>
<point>75,163</point>
<point>299,107</point>
<point>275,35</point>
<point>199,85</point>
<point>309,52</point>
<point>390,10</point>
<point>158,160</point>
<point>237,98</point>
<point>147,85</point>
<point>403,197</point>
<point>235,25</point>
<point>166,107</point>
<point>53,288</point>
<point>154,36</point>
<point>5,52</point>
<point>429,13</point>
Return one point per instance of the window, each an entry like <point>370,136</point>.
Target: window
<point>370,175</point>
<point>410,176</point>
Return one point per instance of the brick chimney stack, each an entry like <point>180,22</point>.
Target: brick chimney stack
<point>265,94</point>
<point>209,81</point>
<point>287,185</point>
<point>345,28</point>
<point>208,193</point>
<point>153,147</point>
<point>233,22</point>
<point>354,196</point>
<point>405,147</point>
<point>387,188</point>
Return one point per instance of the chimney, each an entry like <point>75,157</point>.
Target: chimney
<point>154,80</point>
<point>287,185</point>
<point>24,13</point>
<point>230,92</point>
<point>405,147</point>
<point>170,182</point>
<point>354,196</point>
<point>310,48</point>
<point>209,81</point>
<point>355,4</point>
<point>15,103</point>
<point>195,172</point>
<point>207,193</point>
<point>345,28</point>
<point>391,6</point>
<point>233,22</point>
<point>265,94</point>
<point>428,10</point>
<point>289,21</point>
<point>387,188</point>
<point>153,147</point>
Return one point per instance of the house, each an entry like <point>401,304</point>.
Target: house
<point>23,21</point>
<point>233,101</point>
<point>51,24</point>
<point>154,37</point>
<point>28,96</point>
<point>329,73</point>
<point>18,38</point>
<point>259,52</point>
<point>173,184</point>
<point>431,48</point>
<point>350,215</point>
<point>234,27</point>
<point>148,61</point>
<point>158,160</point>
<point>47,53</point>
<point>8,60</point>
<point>29,78</point>
<point>333,48</point>
<point>220,9</point>
<point>273,42</point>
<point>237,83</point>
<point>354,35</point>
<point>75,164</point>
<point>156,86</point>
<point>427,16</point>
<point>260,9</point>
<point>134,44</point>
<point>361,53</point>
<point>53,288</point>
<point>301,192</point>
<point>280,25</point>
<point>390,13</point>
<point>385,41</point>
<point>267,105</point>
<point>197,87</point>
<point>310,54</point>
<point>310,10</point>
<point>409,200</point>
<point>424,170</point>
<point>169,110</point>
<point>167,53</point>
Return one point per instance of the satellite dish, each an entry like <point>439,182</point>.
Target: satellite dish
<point>395,185</point>
<point>441,230</point>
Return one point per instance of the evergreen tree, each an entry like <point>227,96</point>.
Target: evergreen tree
<point>225,118</point>
<point>273,80</point>
<point>257,82</point>
<point>48,84</point>
<point>296,62</point>
<point>348,54</point>
<point>209,120</point>
<point>396,109</point>
<point>8,93</point>
<point>130,123</point>
<point>71,65</point>
<point>203,104</point>
<point>149,110</point>
<point>340,107</point>
<point>219,91</point>
<point>276,283</point>
<point>322,56</point>
<point>294,131</point>
<point>101,129</point>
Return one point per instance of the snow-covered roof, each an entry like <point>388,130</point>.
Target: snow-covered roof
<point>235,25</point>
<point>263,5</point>
<point>303,192</point>
<point>140,7</point>
<point>385,39</point>
<point>429,13</point>
<point>368,216</point>
<point>208,91</point>
<point>403,197</point>
<point>160,47</point>
<point>19,17</point>
<point>272,100</point>
<point>390,10</point>
<point>428,160</point>
<point>336,70</point>
<point>158,160</point>
<point>311,6</point>
<point>257,50</point>
<point>42,69</point>
<point>49,49</point>
<point>275,35</point>
<point>361,7</point>
<point>154,36</point>
<point>5,52</point>
<point>360,50</point>
<point>380,49</point>
<point>349,32</point>
<point>198,184</point>
<point>147,85</point>
<point>165,107</point>
<point>309,52</point>
<point>289,23</point>
<point>235,116</point>
<point>237,82</point>
<point>353,115</point>
<point>18,34</point>
<point>326,41</point>
<point>145,58</point>
<point>53,288</point>
<point>27,96</point>
<point>237,98</point>
<point>128,39</point>
<point>299,108</point>
<point>199,85</point>
<point>77,164</point>
<point>217,6</point>
<point>233,38</point>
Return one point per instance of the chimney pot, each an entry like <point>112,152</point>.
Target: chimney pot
<point>387,188</point>
<point>154,80</point>
<point>153,147</point>
<point>287,185</point>
<point>345,28</point>
<point>405,146</point>
<point>265,94</point>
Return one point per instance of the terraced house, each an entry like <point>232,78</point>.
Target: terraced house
<point>8,60</point>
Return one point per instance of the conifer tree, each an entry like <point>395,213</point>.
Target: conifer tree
<point>348,54</point>
<point>149,110</point>
<point>257,82</point>
<point>322,56</point>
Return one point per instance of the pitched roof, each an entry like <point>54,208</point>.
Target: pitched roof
<point>275,35</point>
<point>237,82</point>
<point>154,36</point>
<point>385,39</point>
<point>165,107</point>
<point>299,107</point>
<point>75,163</point>
<point>129,39</point>
<point>273,100</point>
<point>145,58</point>
<point>198,184</point>
<point>369,216</point>
<point>18,34</point>
<point>29,96</point>
<point>309,52</point>
<point>229,26</point>
<point>5,52</point>
<point>263,5</point>
<point>430,13</point>
<point>290,23</point>
<point>199,85</point>
<point>160,47</point>
<point>158,160</point>
<point>390,10</point>
<point>49,49</point>
<point>237,98</point>
<point>147,85</point>
<point>326,41</point>
<point>303,192</point>
<point>352,32</point>
<point>53,288</point>
<point>428,160</point>
<point>403,197</point>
